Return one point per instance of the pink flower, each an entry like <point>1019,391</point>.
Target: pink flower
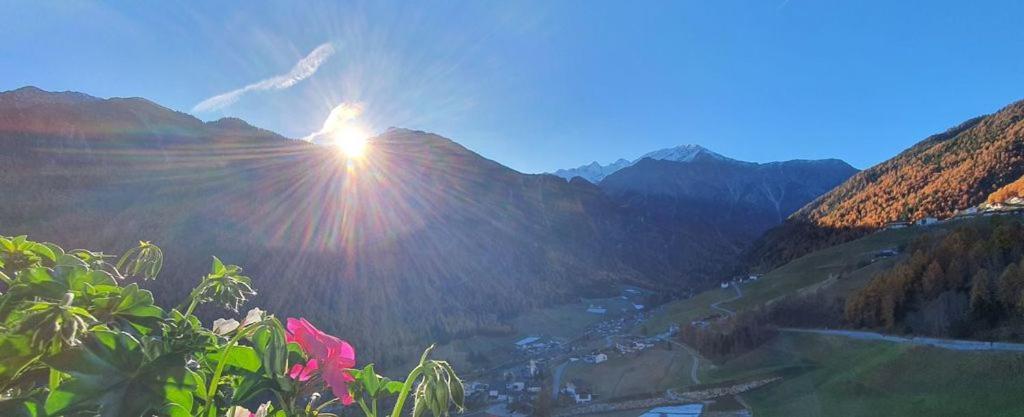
<point>328,354</point>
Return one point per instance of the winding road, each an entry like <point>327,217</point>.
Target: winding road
<point>556,378</point>
<point>951,344</point>
<point>695,367</point>
<point>739,294</point>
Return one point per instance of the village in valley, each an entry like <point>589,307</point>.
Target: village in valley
<point>569,370</point>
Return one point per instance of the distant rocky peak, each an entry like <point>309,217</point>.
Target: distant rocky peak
<point>595,171</point>
<point>682,153</point>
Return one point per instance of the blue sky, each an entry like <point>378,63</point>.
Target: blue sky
<point>551,84</point>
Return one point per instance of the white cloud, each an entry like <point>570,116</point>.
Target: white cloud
<point>303,69</point>
<point>341,116</point>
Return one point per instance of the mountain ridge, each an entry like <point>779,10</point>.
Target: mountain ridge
<point>595,172</point>
<point>936,177</point>
<point>422,239</point>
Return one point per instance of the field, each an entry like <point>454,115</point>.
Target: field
<point>650,371</point>
<point>684,311</point>
<point>830,376</point>
<point>562,322</point>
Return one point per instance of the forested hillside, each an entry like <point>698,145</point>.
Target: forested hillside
<point>966,284</point>
<point>936,177</point>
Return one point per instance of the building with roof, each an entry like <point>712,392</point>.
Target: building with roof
<point>526,342</point>
<point>686,410</point>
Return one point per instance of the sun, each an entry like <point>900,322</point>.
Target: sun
<point>350,141</point>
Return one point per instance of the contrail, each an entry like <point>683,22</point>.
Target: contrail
<point>303,69</point>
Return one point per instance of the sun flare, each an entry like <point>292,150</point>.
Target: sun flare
<point>350,141</point>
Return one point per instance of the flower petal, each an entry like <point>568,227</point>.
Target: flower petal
<point>253,316</point>
<point>222,327</point>
<point>302,372</point>
<point>338,380</point>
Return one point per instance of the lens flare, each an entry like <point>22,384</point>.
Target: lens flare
<point>350,141</point>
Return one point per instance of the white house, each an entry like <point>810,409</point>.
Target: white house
<point>474,387</point>
<point>927,221</point>
<point>570,388</point>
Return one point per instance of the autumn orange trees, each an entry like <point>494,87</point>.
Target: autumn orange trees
<point>949,276</point>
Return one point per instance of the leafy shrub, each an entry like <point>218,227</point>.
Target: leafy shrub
<point>79,338</point>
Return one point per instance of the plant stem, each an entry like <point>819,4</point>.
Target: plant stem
<point>366,410</point>
<point>406,387</point>
<point>194,296</point>
<point>215,381</point>
<point>334,400</point>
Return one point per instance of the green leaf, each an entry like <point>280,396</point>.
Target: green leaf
<point>110,372</point>
<point>42,251</point>
<point>85,280</point>
<point>272,346</point>
<point>249,385</point>
<point>17,354</point>
<point>241,357</point>
<point>394,387</point>
<point>132,306</point>
<point>218,266</point>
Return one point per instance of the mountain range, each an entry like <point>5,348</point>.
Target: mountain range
<point>595,172</point>
<point>421,239</point>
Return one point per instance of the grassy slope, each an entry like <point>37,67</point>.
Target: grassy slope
<point>828,376</point>
<point>812,271</point>
<point>685,311</point>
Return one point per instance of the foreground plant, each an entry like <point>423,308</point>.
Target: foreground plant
<point>78,338</point>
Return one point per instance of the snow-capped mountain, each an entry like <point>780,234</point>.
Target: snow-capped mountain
<point>682,153</point>
<point>595,172</point>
